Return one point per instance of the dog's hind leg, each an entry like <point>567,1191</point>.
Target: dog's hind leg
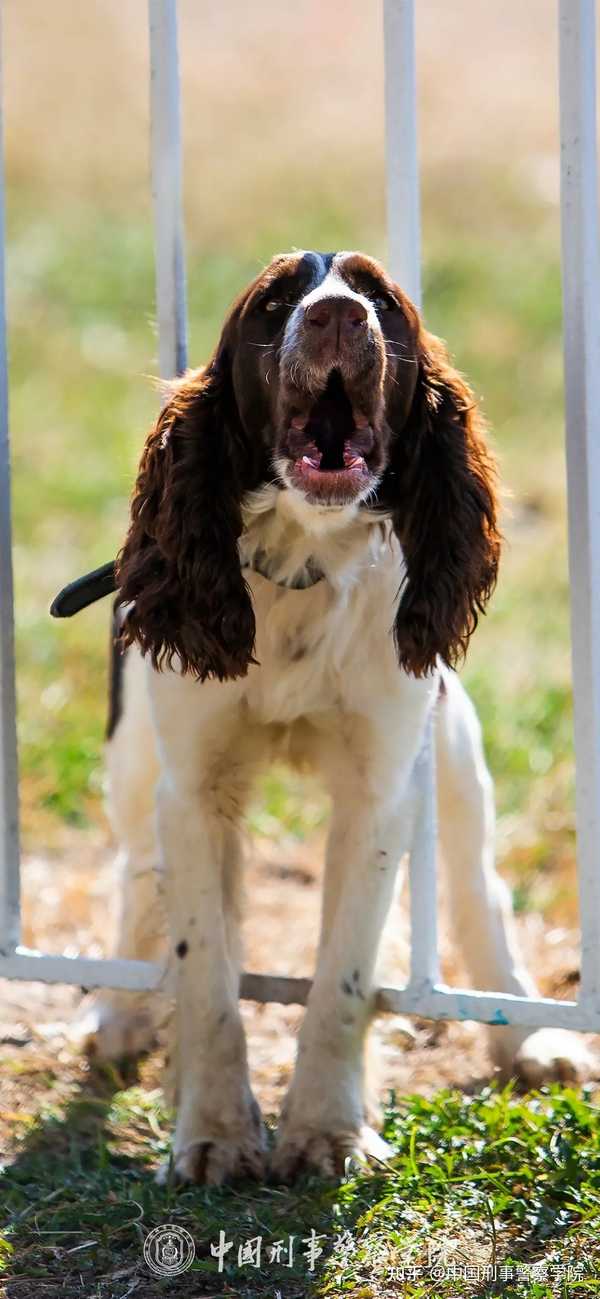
<point>117,1024</point>
<point>480,902</point>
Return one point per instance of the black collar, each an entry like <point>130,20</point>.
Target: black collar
<point>309,576</point>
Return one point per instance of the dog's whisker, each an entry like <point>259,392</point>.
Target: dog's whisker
<point>395,342</point>
<point>404,360</point>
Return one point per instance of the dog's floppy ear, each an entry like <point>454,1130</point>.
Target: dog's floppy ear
<point>179,565</point>
<point>441,486</point>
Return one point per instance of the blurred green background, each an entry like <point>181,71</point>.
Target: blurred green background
<point>283,127</point>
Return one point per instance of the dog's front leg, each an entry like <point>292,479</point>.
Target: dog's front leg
<point>323,1118</point>
<point>219,1133</point>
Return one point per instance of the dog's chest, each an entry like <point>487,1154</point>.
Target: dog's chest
<point>325,647</point>
<point>310,647</point>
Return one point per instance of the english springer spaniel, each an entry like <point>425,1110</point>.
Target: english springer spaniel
<point>313,535</point>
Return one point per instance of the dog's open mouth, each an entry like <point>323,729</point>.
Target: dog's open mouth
<point>329,445</point>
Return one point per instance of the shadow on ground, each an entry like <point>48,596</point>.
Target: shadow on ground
<point>80,1198</point>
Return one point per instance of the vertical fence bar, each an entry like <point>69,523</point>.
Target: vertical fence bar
<point>404,242</point>
<point>581,311</point>
<point>402,164</point>
<point>9,787</point>
<point>167,187</point>
<point>424,961</point>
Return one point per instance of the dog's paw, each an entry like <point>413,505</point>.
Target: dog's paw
<point>115,1027</point>
<point>211,1149</point>
<point>212,1161</point>
<point>302,1149</point>
<point>554,1055</point>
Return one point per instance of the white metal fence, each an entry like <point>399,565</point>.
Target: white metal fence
<point>424,994</point>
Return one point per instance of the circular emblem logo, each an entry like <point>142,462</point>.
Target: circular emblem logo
<point>169,1250</point>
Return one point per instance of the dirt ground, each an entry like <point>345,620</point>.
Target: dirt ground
<point>68,908</point>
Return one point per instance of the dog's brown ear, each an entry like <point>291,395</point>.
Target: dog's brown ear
<point>179,565</point>
<point>442,488</point>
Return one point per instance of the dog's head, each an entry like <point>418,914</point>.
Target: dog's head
<point>325,381</point>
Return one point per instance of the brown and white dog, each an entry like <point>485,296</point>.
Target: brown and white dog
<point>313,535</point>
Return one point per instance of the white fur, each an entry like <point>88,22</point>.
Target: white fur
<point>327,690</point>
<point>333,285</point>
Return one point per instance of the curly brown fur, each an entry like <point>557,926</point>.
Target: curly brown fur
<point>445,515</point>
<point>180,564</point>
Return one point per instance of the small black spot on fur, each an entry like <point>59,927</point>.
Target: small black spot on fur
<point>182,949</point>
<point>353,989</point>
<point>357,988</point>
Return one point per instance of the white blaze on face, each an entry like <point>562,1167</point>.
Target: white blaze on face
<point>333,285</point>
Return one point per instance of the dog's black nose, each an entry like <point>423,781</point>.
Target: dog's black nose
<point>335,317</point>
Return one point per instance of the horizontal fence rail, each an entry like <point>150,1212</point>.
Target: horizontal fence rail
<point>429,1001</point>
<point>424,995</point>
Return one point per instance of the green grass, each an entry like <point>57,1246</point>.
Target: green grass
<point>475,1181</point>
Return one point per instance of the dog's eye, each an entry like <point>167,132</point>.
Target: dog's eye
<point>279,304</point>
<point>381,304</point>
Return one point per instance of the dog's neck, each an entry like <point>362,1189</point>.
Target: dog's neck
<point>296,545</point>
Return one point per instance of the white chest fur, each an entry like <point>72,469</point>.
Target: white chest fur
<point>327,647</point>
